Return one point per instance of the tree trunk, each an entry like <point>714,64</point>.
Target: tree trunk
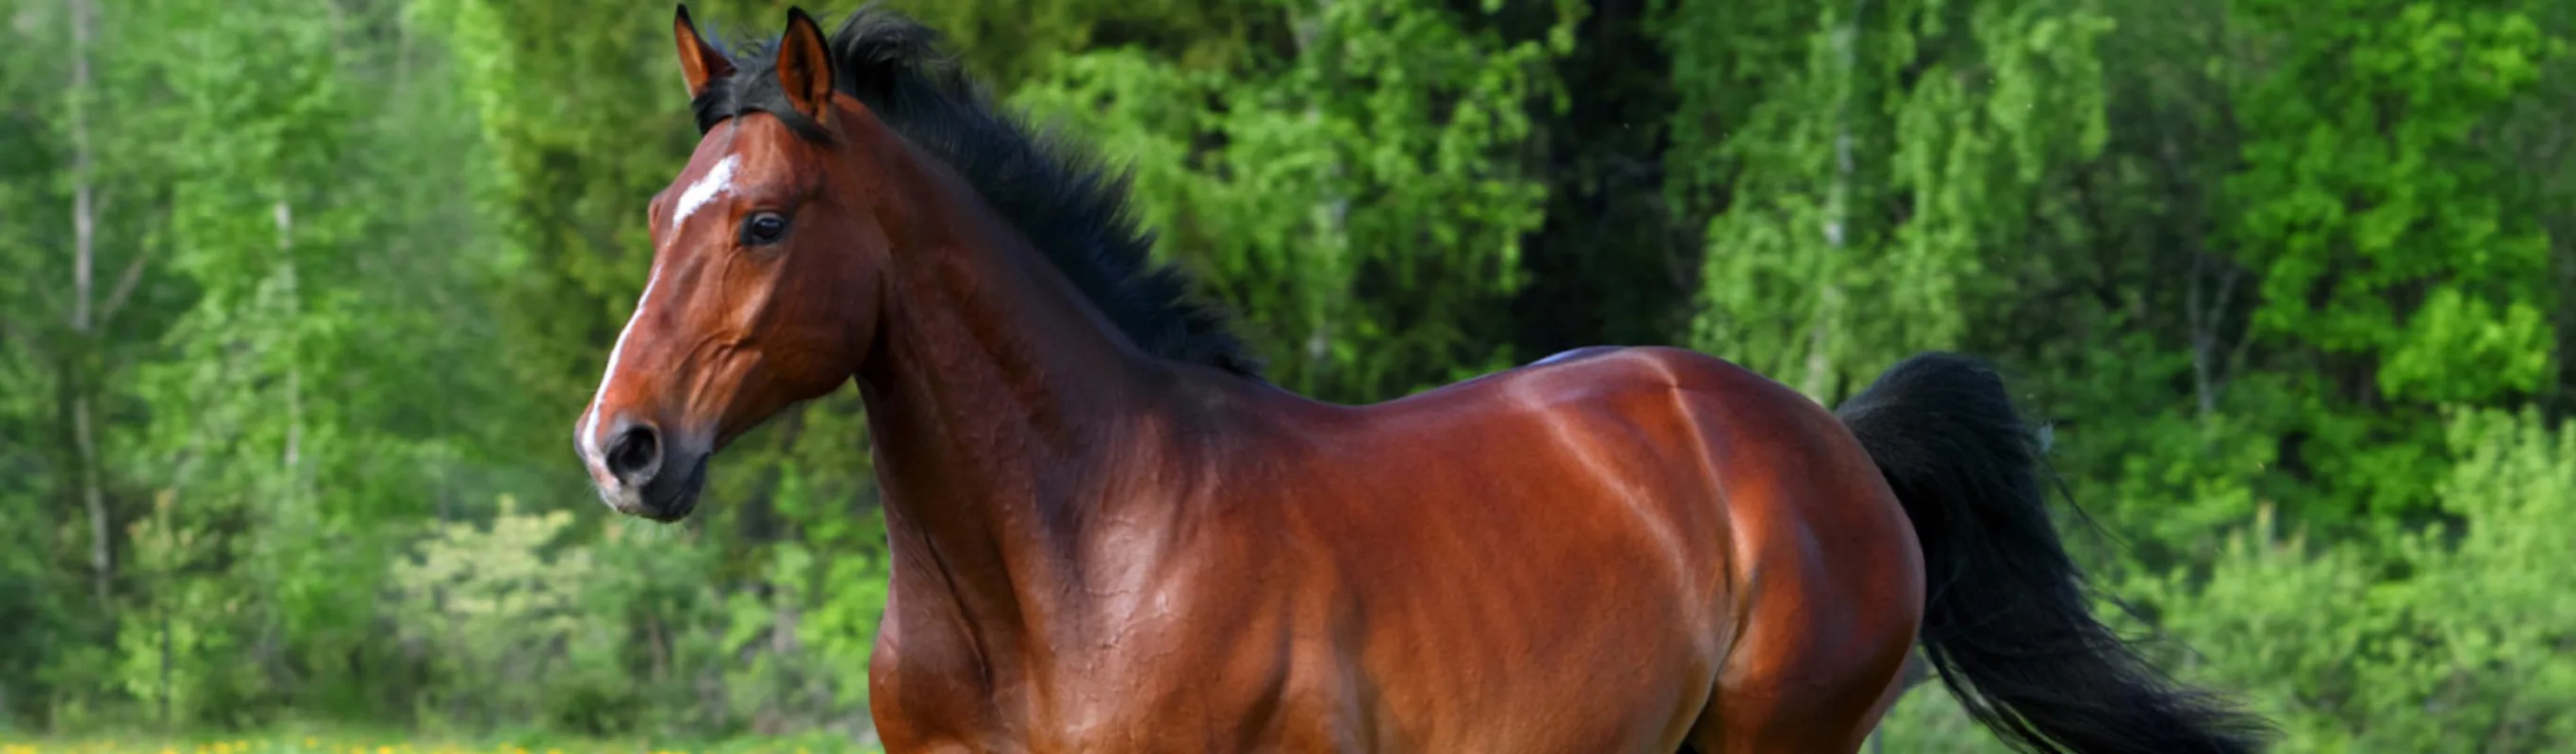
<point>1838,214</point>
<point>269,648</point>
<point>285,215</point>
<point>102,559</point>
<point>1328,216</point>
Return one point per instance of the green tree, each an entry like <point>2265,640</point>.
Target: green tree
<point>2368,123</point>
<point>1884,161</point>
<point>1365,206</point>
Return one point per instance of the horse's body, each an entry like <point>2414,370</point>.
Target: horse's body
<point>1109,534</point>
<point>1598,554</point>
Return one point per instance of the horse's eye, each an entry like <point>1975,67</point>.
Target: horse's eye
<point>763,229</point>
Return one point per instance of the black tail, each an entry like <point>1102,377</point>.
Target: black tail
<point>2006,619</point>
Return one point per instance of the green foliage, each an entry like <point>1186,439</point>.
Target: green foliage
<point>830,574</point>
<point>494,607</point>
<point>2465,651</point>
<point>2346,177</point>
<point>1872,182</point>
<point>1377,159</point>
<point>2377,227</point>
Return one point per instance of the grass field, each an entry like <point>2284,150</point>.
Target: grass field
<point>350,743</point>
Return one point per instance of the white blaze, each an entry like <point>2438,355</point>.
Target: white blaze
<point>717,181</point>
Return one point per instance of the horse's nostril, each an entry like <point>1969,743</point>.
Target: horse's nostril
<point>634,454</point>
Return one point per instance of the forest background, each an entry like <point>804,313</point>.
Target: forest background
<point>299,298</point>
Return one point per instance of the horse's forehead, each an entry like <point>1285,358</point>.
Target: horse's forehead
<point>705,188</point>
<point>710,173</point>
<point>715,150</point>
<point>751,147</point>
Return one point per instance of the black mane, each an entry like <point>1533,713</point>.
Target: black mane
<point>1054,191</point>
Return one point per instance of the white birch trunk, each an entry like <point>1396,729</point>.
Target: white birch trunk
<point>102,558</point>
<point>1837,230</point>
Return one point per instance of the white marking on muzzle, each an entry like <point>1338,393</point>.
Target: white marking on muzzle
<point>590,429</point>
<point>717,181</point>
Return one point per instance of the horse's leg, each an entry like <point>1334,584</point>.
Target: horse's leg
<point>1826,583</point>
<point>1785,691</point>
<point>1827,628</point>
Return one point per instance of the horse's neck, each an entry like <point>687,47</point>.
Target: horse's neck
<point>999,411</point>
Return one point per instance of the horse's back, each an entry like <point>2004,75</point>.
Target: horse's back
<point>1647,505</point>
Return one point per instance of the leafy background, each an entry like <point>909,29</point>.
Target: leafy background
<point>298,299</point>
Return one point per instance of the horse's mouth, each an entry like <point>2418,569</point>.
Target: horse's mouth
<point>665,499</point>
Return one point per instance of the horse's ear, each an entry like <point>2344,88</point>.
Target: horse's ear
<point>804,66</point>
<point>699,62</point>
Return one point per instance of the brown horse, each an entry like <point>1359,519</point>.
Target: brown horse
<point>1110,534</point>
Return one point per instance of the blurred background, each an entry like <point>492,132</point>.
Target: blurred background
<point>300,298</point>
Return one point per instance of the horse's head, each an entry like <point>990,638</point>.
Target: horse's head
<point>767,256</point>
